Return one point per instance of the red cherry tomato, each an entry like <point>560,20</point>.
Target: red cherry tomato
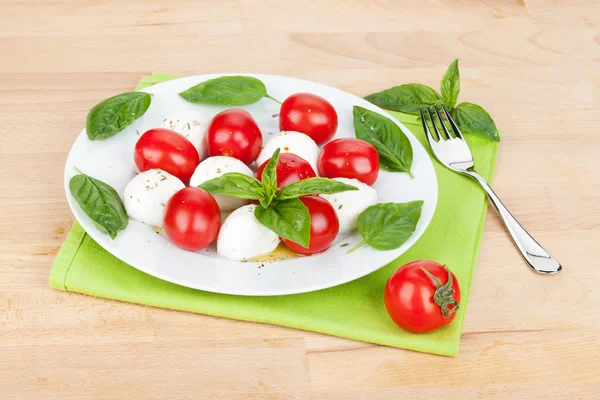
<point>418,302</point>
<point>324,226</point>
<point>234,133</point>
<point>290,169</point>
<point>192,219</point>
<point>166,149</point>
<point>309,114</point>
<point>349,158</point>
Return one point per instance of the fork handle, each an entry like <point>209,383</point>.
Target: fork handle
<point>538,259</point>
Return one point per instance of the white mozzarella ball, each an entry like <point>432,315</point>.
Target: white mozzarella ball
<point>193,128</point>
<point>243,238</point>
<point>291,142</point>
<point>214,167</point>
<point>147,194</point>
<point>348,205</point>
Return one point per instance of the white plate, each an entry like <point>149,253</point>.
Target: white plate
<point>111,161</point>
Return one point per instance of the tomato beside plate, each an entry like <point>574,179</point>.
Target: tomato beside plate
<point>422,296</point>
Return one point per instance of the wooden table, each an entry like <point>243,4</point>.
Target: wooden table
<point>533,64</point>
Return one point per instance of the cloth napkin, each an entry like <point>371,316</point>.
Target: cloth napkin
<point>354,310</point>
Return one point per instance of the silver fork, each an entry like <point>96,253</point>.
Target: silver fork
<point>453,152</point>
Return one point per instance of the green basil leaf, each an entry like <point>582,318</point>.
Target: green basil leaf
<point>394,148</point>
<point>227,91</point>
<point>266,200</point>
<point>287,218</point>
<point>269,174</point>
<point>234,184</point>
<point>100,202</point>
<point>269,179</point>
<point>450,86</point>
<point>313,186</point>
<point>406,98</point>
<point>474,120</point>
<point>112,115</point>
<point>386,226</point>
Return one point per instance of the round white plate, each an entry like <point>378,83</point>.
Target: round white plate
<point>140,246</point>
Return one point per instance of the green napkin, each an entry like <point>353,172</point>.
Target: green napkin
<point>354,310</point>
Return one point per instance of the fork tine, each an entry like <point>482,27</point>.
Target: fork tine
<point>438,133</point>
<point>455,129</point>
<point>437,111</point>
<point>426,127</point>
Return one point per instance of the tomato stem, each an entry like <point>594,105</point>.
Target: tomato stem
<point>443,294</point>
<point>272,98</point>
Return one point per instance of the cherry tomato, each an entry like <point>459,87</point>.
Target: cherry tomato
<point>422,296</point>
<point>349,158</point>
<point>234,133</point>
<point>166,149</point>
<point>309,114</point>
<point>192,219</point>
<point>324,226</point>
<point>290,169</point>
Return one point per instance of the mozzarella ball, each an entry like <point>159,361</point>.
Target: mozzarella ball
<point>348,205</point>
<point>193,128</point>
<point>147,194</point>
<point>291,142</point>
<point>214,167</point>
<point>243,238</point>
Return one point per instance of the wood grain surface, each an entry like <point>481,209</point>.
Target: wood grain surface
<point>535,65</point>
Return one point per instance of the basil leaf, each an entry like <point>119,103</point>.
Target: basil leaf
<point>386,226</point>
<point>450,86</point>
<point>406,98</point>
<point>227,91</point>
<point>269,178</point>
<point>289,219</point>
<point>394,148</point>
<point>112,115</point>
<point>234,184</point>
<point>474,120</point>
<point>313,186</point>
<point>100,202</point>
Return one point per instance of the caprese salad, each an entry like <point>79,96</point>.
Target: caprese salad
<point>302,187</point>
